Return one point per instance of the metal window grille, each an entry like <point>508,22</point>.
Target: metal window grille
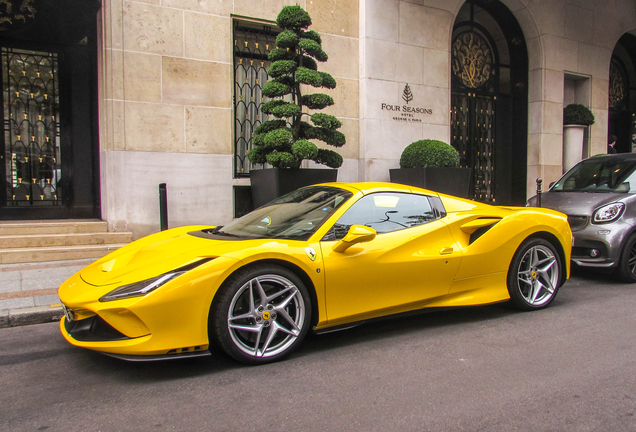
<point>252,44</point>
<point>31,127</point>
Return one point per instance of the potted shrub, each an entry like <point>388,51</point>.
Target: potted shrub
<point>284,142</point>
<point>434,165</point>
<point>576,118</point>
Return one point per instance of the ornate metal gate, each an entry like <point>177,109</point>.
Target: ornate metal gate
<point>489,101</point>
<point>31,128</point>
<point>472,128</point>
<point>473,102</point>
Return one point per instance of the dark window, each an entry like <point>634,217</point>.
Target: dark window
<point>252,44</point>
<point>385,212</point>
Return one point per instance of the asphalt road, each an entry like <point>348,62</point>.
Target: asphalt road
<point>571,367</point>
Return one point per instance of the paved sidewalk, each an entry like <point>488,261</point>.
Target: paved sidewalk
<point>28,292</point>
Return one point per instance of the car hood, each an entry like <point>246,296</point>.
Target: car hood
<point>157,254</point>
<point>577,203</point>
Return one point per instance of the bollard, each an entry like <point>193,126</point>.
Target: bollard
<point>163,206</point>
<point>539,183</point>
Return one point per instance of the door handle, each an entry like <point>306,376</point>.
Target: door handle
<point>446,251</point>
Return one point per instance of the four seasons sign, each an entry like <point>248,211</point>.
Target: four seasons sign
<point>406,112</point>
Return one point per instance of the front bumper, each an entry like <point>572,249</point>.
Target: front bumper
<point>599,245</point>
<point>95,329</point>
<point>169,322</point>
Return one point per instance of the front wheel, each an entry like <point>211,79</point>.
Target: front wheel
<point>260,314</point>
<point>534,274</point>
<point>627,262</point>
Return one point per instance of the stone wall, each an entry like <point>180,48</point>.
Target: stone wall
<point>166,82</point>
<point>409,41</point>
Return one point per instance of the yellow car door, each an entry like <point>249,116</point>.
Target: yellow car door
<point>412,259</point>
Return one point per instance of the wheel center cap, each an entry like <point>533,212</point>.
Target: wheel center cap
<point>266,315</point>
<point>534,275</point>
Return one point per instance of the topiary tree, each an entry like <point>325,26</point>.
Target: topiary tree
<point>429,153</point>
<point>283,144</point>
<point>577,114</point>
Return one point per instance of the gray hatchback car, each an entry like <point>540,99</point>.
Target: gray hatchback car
<point>599,196</point>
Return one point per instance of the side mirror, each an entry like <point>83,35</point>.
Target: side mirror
<point>624,188</point>
<point>356,234</point>
<point>551,184</point>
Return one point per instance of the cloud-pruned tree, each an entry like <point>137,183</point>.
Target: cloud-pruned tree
<point>284,142</point>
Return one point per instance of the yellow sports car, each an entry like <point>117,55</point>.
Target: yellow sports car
<point>324,257</point>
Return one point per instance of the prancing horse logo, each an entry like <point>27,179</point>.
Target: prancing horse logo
<point>311,253</point>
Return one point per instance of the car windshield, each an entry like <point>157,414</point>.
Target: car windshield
<point>599,175</point>
<point>294,216</point>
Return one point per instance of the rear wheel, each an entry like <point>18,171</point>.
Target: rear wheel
<point>627,263</point>
<point>260,314</point>
<point>534,274</point>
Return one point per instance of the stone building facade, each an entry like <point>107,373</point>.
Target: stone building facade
<point>164,109</point>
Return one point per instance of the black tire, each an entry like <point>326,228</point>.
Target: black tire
<point>627,262</point>
<point>534,275</point>
<point>260,314</point>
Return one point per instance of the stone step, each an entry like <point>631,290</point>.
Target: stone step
<point>56,253</point>
<point>71,239</point>
<point>65,226</point>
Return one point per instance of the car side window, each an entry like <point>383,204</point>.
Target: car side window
<point>385,212</point>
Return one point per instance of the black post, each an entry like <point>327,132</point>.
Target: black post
<point>163,206</point>
<point>539,183</point>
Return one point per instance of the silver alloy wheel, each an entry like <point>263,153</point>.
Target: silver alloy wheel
<point>632,259</point>
<point>538,275</point>
<point>266,316</point>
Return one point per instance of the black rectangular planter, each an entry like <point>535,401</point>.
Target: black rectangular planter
<point>451,181</point>
<point>268,184</point>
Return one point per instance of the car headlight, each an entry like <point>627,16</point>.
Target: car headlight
<point>608,213</point>
<point>141,288</point>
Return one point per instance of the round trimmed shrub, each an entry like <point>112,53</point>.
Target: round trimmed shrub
<point>317,100</point>
<point>269,125</point>
<point>325,120</point>
<point>286,110</point>
<point>257,155</point>
<point>304,149</point>
<point>314,49</point>
<point>309,77</point>
<point>281,67</point>
<point>280,54</point>
<point>293,17</point>
<point>275,89</point>
<point>313,35</point>
<point>327,80</point>
<point>577,114</point>
<point>329,158</point>
<point>429,153</point>
<point>281,160</point>
<point>277,138</point>
<point>286,39</point>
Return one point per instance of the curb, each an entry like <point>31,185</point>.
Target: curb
<point>28,316</point>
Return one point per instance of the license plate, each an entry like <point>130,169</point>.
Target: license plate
<point>70,316</point>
